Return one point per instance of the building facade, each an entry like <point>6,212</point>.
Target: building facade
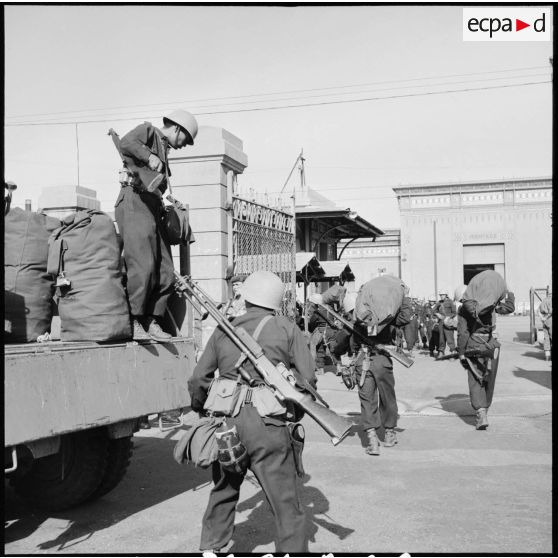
<point>450,232</point>
<point>372,257</point>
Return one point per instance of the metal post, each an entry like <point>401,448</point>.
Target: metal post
<point>435,262</point>
<point>77,153</point>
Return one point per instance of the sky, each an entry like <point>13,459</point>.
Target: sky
<point>392,66</point>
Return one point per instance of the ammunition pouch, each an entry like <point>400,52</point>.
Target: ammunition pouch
<point>225,397</point>
<point>296,434</point>
<point>265,402</point>
<point>231,452</point>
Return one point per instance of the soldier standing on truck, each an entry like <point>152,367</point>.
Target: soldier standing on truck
<point>264,434</point>
<point>138,212</point>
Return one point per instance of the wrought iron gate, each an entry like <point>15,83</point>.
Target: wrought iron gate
<point>263,238</point>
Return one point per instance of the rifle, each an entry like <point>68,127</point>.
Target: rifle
<point>394,352</point>
<point>278,377</point>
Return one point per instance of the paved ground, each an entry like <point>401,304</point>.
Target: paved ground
<point>445,488</point>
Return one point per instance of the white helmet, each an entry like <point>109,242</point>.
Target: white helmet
<point>349,302</point>
<point>264,289</point>
<point>316,298</point>
<point>459,292</point>
<point>185,120</point>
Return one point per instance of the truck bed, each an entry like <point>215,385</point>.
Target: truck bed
<point>57,387</point>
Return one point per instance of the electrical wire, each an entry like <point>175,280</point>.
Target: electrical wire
<point>302,105</point>
<point>384,82</point>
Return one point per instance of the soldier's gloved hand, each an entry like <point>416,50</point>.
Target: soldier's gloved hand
<point>154,163</point>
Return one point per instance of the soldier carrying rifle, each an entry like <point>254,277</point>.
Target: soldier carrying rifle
<point>259,418</point>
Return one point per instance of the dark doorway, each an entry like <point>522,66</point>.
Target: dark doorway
<point>469,271</point>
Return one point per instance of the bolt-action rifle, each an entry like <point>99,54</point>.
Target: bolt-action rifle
<point>393,352</point>
<point>286,385</point>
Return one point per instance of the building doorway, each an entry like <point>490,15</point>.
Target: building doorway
<point>480,257</point>
<point>469,271</point>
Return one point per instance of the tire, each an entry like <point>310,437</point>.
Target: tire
<point>119,454</point>
<point>68,478</point>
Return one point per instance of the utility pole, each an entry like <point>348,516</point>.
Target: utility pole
<point>435,262</point>
<point>77,152</point>
<point>301,168</point>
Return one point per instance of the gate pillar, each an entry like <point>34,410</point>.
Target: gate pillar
<point>202,177</point>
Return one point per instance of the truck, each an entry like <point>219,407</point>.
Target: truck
<point>71,410</point>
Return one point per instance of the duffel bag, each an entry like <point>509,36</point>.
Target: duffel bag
<point>28,288</point>
<point>85,256</point>
<point>379,300</point>
<point>484,292</point>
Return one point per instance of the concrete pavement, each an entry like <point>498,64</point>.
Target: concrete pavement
<point>445,488</point>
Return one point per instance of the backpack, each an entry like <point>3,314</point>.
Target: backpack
<point>84,255</point>
<point>483,293</point>
<point>28,288</point>
<point>379,300</point>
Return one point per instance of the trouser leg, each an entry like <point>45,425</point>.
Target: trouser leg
<point>382,369</point>
<point>137,228</point>
<point>449,338</point>
<point>158,302</point>
<point>481,393</point>
<point>218,520</point>
<point>547,341</point>
<point>441,339</point>
<point>369,405</point>
<point>272,461</point>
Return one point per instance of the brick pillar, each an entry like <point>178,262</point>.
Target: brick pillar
<point>203,176</point>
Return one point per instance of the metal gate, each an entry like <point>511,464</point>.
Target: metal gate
<point>263,238</point>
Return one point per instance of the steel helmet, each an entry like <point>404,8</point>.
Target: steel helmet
<point>349,302</point>
<point>459,292</point>
<point>185,120</point>
<point>264,289</point>
<point>316,298</point>
<point>432,298</point>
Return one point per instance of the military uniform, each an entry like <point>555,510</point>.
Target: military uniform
<point>378,404</point>
<point>447,309</point>
<point>481,391</point>
<point>265,438</point>
<point>410,330</point>
<point>147,253</point>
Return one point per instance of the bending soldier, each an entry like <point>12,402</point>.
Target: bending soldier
<point>376,382</point>
<point>474,333</point>
<point>263,433</point>
<point>139,210</point>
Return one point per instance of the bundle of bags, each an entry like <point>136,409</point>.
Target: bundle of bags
<point>379,300</point>
<point>75,263</point>
<point>487,292</point>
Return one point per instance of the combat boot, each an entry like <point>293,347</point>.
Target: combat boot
<point>390,438</point>
<point>482,419</point>
<point>373,447</point>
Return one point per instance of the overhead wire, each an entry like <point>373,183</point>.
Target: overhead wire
<point>383,82</point>
<point>303,105</point>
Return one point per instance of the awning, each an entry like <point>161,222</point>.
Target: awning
<point>308,267</point>
<point>310,270</point>
<point>337,270</point>
<point>342,223</point>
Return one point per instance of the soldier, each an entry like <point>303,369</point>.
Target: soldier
<point>235,305</point>
<point>317,325</point>
<point>410,330</point>
<point>266,438</point>
<point>545,312</point>
<point>474,332</point>
<point>445,309</point>
<point>139,210</point>
<point>378,405</point>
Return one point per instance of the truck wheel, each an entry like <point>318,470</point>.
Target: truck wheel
<point>69,477</point>
<point>119,454</point>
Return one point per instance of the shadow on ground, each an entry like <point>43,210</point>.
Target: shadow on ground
<point>258,529</point>
<point>152,459</point>
<point>460,405</point>
<point>541,377</point>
